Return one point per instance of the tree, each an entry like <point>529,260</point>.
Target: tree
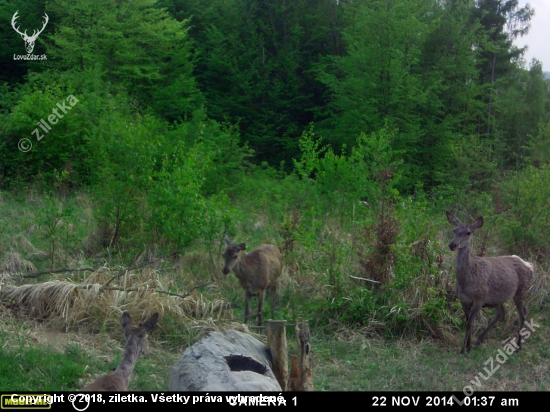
<point>138,45</point>
<point>520,112</point>
<point>254,62</point>
<point>377,80</point>
<point>502,21</point>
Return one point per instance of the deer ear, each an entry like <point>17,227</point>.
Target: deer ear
<point>242,246</point>
<point>478,223</point>
<point>151,323</point>
<point>452,219</point>
<point>227,241</point>
<point>126,320</point>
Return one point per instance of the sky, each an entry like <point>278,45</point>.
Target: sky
<point>538,38</point>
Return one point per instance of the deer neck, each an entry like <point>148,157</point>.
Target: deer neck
<point>244,270</point>
<point>129,359</point>
<point>464,260</point>
<point>242,261</point>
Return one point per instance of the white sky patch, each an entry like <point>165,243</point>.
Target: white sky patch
<point>538,38</point>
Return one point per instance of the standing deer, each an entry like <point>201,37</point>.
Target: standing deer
<point>29,40</point>
<point>136,341</point>
<point>256,271</point>
<point>487,282</point>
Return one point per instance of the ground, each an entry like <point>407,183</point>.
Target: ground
<point>347,360</point>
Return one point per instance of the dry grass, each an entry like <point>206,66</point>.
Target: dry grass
<point>90,305</point>
<point>14,263</point>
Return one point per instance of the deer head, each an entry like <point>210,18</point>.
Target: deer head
<point>29,40</point>
<point>230,255</point>
<point>463,231</point>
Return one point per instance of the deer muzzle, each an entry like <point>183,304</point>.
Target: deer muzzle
<point>452,246</point>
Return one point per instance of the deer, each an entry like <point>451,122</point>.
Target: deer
<point>136,342</point>
<point>487,281</point>
<point>256,271</point>
<point>29,40</point>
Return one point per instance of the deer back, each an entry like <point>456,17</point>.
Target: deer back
<point>495,280</point>
<point>259,268</point>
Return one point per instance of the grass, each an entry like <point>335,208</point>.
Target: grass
<point>31,367</point>
<point>355,363</point>
<point>343,361</point>
<point>57,336</point>
<point>426,366</point>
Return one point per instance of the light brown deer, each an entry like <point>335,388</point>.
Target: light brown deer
<point>136,341</point>
<point>487,282</point>
<point>256,271</point>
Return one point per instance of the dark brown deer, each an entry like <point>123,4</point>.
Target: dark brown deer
<point>136,341</point>
<point>256,271</point>
<point>487,282</point>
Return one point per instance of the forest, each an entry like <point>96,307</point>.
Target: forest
<point>138,134</point>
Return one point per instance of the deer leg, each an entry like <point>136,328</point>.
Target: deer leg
<point>522,311</point>
<point>467,309</point>
<point>261,298</point>
<point>272,301</point>
<point>500,313</point>
<point>475,308</point>
<point>247,297</point>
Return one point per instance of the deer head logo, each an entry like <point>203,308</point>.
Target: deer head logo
<point>29,40</point>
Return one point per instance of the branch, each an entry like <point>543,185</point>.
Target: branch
<point>124,271</point>
<point>179,295</point>
<point>44,272</point>
<point>366,280</point>
<point>141,290</point>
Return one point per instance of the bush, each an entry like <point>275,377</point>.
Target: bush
<point>525,222</point>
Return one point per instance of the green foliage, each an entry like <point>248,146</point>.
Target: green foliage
<point>56,222</point>
<point>140,47</point>
<point>311,155</point>
<point>253,63</point>
<point>471,169</point>
<point>419,264</point>
<point>412,98</point>
<point>355,309</point>
<point>178,210</point>
<point>376,83</point>
<point>539,147</point>
<point>24,368</point>
<point>373,165</point>
<point>421,70</point>
<point>229,158</point>
<point>374,160</point>
<point>127,148</point>
<point>520,112</point>
<point>53,144</point>
<point>526,222</point>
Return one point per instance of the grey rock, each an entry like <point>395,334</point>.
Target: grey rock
<point>224,361</point>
